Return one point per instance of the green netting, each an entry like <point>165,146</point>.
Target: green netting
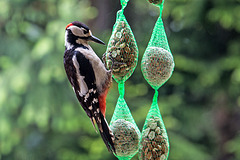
<point>124,3</point>
<point>157,66</point>
<point>125,130</point>
<point>121,56</point>
<point>154,142</point>
<point>157,63</point>
<point>122,48</point>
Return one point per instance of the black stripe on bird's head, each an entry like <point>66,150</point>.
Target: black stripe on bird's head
<point>79,33</point>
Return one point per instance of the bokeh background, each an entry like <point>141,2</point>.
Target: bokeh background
<point>40,117</point>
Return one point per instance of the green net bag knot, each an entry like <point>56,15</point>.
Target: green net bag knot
<point>122,52</point>
<point>124,3</point>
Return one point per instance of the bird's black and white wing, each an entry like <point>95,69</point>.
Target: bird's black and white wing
<point>82,79</point>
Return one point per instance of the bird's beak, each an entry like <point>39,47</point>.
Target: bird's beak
<point>95,39</point>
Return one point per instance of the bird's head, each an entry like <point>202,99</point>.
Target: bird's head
<point>78,33</point>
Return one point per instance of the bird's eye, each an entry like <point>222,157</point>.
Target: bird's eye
<point>85,31</point>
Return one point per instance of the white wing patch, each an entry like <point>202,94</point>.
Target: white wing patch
<point>95,100</point>
<point>86,97</point>
<point>80,79</point>
<point>98,67</point>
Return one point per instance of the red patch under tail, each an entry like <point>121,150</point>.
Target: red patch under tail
<point>102,102</point>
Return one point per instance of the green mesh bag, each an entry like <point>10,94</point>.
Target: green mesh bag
<point>157,63</point>
<point>157,66</point>
<point>122,48</point>
<point>154,144</point>
<point>125,130</point>
<point>123,51</point>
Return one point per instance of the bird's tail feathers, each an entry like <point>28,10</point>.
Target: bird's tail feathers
<point>106,133</point>
<point>93,123</point>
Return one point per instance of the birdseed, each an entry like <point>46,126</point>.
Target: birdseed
<point>126,137</point>
<point>123,50</point>
<point>157,66</point>
<point>153,145</point>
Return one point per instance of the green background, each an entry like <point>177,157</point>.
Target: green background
<point>40,117</point>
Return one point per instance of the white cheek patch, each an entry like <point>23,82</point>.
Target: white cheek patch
<point>76,31</point>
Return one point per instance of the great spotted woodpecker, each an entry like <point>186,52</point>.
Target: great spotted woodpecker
<point>88,76</point>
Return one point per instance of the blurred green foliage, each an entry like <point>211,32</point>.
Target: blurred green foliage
<point>40,117</point>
